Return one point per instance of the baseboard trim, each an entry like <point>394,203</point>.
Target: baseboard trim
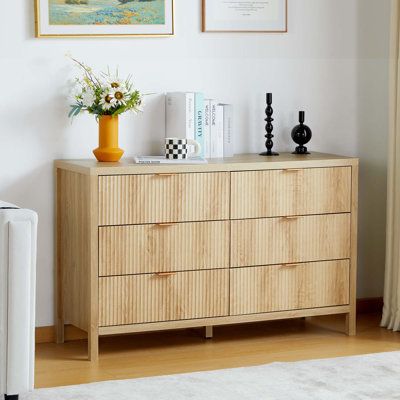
<point>47,334</point>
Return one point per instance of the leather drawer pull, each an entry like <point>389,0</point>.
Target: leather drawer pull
<point>165,175</point>
<point>165,274</point>
<point>289,265</point>
<point>165,225</point>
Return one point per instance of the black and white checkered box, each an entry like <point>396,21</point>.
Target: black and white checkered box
<point>176,149</point>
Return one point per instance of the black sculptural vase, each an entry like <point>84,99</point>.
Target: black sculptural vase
<point>301,134</point>
<point>269,128</point>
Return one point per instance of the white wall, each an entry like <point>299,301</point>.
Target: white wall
<point>332,63</point>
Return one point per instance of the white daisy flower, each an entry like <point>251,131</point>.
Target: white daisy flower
<point>119,96</point>
<point>88,98</point>
<point>116,83</point>
<point>107,101</point>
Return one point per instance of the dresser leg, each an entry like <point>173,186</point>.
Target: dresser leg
<point>60,331</point>
<point>93,346</point>
<point>351,324</point>
<point>60,324</point>
<point>209,332</point>
<point>58,251</point>
<point>59,314</point>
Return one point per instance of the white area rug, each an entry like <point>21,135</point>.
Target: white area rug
<point>374,376</point>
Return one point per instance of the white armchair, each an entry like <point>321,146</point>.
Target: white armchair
<point>18,235</point>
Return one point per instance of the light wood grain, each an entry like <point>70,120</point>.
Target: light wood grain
<point>208,332</point>
<point>218,321</point>
<point>240,162</point>
<point>77,263</point>
<point>47,334</point>
<point>140,199</point>
<point>289,287</point>
<point>151,298</point>
<point>159,248</point>
<point>129,221</point>
<point>351,317</point>
<point>73,244</point>
<point>288,240</point>
<point>59,283</point>
<point>93,334</point>
<point>304,191</point>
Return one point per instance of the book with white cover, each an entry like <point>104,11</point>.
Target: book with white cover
<point>179,115</point>
<point>217,130</point>
<point>228,129</point>
<point>163,160</point>
<point>207,128</point>
<point>199,120</point>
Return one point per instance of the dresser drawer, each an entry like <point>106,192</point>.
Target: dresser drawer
<point>257,194</point>
<point>281,288</point>
<point>137,299</point>
<point>140,199</point>
<point>148,248</point>
<point>290,239</point>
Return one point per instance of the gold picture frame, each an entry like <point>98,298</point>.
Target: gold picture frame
<point>44,33</point>
<point>206,27</point>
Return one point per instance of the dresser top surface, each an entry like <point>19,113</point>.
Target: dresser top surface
<point>240,162</point>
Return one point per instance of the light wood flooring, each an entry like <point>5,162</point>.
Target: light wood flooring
<point>172,352</point>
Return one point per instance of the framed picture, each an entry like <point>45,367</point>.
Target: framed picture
<point>75,18</point>
<point>245,16</point>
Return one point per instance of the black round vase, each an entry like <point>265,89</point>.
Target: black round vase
<point>301,134</point>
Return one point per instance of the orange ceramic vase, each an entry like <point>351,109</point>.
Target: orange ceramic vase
<point>108,150</point>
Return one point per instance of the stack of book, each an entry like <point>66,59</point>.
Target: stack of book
<point>191,116</point>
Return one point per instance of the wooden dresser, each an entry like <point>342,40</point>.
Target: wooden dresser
<point>243,239</point>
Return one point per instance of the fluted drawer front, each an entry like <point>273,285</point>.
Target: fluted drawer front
<point>280,288</point>
<point>140,199</point>
<point>257,194</point>
<point>287,240</point>
<point>158,248</point>
<point>150,298</point>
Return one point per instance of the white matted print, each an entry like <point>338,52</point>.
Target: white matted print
<point>104,18</point>
<point>245,15</point>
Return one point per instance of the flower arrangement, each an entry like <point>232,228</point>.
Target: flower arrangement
<point>106,94</point>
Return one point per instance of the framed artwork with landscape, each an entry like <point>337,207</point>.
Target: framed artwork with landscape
<point>74,18</point>
<point>269,16</point>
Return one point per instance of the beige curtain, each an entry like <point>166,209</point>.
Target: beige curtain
<point>391,309</point>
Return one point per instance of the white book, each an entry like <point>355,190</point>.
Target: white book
<point>179,115</point>
<point>207,128</point>
<point>217,130</point>
<point>228,129</point>
<point>163,160</point>
<point>199,120</point>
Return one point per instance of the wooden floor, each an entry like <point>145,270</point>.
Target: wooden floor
<point>186,350</point>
